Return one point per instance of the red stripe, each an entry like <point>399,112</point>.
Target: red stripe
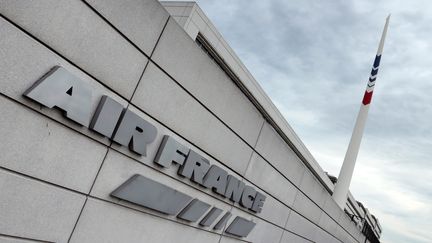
<point>367,98</point>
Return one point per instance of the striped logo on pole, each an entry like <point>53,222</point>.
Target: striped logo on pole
<point>371,83</point>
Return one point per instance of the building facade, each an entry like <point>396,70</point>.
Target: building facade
<point>134,121</point>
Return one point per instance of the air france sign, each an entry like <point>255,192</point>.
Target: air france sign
<point>59,88</point>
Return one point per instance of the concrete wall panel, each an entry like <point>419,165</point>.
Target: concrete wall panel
<point>323,237</point>
<point>228,239</point>
<point>76,32</point>
<point>314,189</point>
<point>307,208</point>
<point>271,146</point>
<point>36,210</point>
<point>27,61</point>
<point>263,232</point>
<point>178,55</point>
<point>273,210</point>
<point>43,148</point>
<point>344,236</point>
<point>162,98</point>
<point>328,223</point>
<point>110,223</point>
<point>262,174</point>
<point>349,226</point>
<point>144,23</point>
<point>7,239</point>
<point>299,225</point>
<point>289,237</point>
<point>332,209</point>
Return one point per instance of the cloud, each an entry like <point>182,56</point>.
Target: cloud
<point>313,59</point>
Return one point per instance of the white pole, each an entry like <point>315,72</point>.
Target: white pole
<point>340,192</point>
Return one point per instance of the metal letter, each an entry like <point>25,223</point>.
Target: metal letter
<point>234,189</point>
<point>135,132</point>
<point>258,202</point>
<point>210,217</point>
<point>216,179</point>
<point>194,210</point>
<point>106,117</point>
<point>170,151</point>
<point>59,88</point>
<point>248,197</point>
<point>151,194</point>
<point>240,227</point>
<point>195,167</point>
<point>222,221</point>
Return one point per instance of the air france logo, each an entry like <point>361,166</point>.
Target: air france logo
<point>60,89</point>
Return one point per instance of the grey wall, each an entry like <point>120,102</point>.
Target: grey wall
<point>56,176</point>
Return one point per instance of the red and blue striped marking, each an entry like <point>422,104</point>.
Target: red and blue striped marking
<point>367,98</point>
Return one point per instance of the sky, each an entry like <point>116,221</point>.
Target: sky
<point>313,58</point>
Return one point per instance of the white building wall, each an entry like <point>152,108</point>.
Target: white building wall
<point>56,176</point>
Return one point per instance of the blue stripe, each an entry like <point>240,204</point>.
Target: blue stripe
<point>377,61</point>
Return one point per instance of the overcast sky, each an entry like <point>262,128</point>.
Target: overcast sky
<point>313,59</point>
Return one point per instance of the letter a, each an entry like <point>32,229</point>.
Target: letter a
<point>59,88</point>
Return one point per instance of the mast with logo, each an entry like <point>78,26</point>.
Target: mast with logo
<point>340,192</point>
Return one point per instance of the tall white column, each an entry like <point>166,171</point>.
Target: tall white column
<point>340,192</point>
